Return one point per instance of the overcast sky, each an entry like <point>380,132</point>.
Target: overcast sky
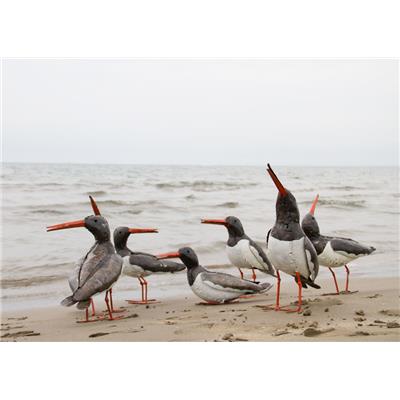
<point>286,112</point>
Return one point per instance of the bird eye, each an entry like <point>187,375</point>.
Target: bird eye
<point>95,220</point>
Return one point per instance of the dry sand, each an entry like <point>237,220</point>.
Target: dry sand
<point>371,314</point>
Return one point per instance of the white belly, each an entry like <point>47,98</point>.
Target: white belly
<point>333,259</point>
<point>237,255</point>
<point>209,293</point>
<point>288,256</point>
<point>135,271</point>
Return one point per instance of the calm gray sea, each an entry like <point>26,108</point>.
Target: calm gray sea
<point>361,203</point>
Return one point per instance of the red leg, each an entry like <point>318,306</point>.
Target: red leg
<point>278,291</point>
<point>334,278</point>
<point>114,310</point>
<point>93,309</point>
<point>109,309</point>
<point>299,302</point>
<point>99,318</point>
<point>347,278</point>
<point>241,273</point>
<point>254,276</point>
<point>144,300</point>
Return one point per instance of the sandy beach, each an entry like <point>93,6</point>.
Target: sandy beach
<point>370,314</point>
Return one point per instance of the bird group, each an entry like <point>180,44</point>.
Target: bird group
<point>293,247</point>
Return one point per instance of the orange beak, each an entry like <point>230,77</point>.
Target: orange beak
<point>142,230</point>
<point>168,255</point>
<point>67,225</point>
<point>277,182</point>
<point>94,206</point>
<point>214,221</point>
<point>314,204</point>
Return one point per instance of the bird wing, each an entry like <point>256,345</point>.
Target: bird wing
<point>311,258</point>
<point>229,283</point>
<point>101,279</point>
<point>261,257</point>
<point>349,247</point>
<point>150,263</point>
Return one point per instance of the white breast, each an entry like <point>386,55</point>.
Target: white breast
<point>288,256</point>
<point>135,271</point>
<point>240,254</point>
<point>207,291</point>
<point>331,258</point>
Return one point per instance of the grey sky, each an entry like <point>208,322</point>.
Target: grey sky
<point>289,112</point>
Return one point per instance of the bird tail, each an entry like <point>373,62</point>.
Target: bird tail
<point>309,282</point>
<point>265,286</point>
<point>83,305</point>
<point>68,301</point>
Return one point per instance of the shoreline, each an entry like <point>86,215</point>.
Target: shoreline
<point>370,314</point>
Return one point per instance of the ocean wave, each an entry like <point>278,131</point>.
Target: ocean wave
<point>47,211</point>
<point>340,203</point>
<point>32,281</point>
<point>97,193</point>
<point>228,204</point>
<point>203,185</point>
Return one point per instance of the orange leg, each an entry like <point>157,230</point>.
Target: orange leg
<point>93,309</point>
<point>299,302</point>
<point>347,278</point>
<point>145,300</point>
<point>241,273</point>
<point>99,318</point>
<point>109,308</point>
<point>334,278</point>
<point>254,276</point>
<point>114,310</point>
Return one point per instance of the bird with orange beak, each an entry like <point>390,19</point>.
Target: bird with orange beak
<point>242,251</point>
<point>98,270</point>
<point>333,252</point>
<point>140,265</point>
<point>214,287</point>
<point>289,249</point>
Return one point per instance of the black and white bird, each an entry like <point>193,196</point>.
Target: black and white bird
<point>333,252</point>
<point>289,249</point>
<point>214,287</point>
<point>97,271</point>
<point>139,265</point>
<point>242,251</point>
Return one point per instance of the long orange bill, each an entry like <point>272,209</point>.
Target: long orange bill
<point>168,255</point>
<point>94,206</point>
<point>214,221</point>
<point>314,204</point>
<point>277,182</point>
<point>143,230</point>
<point>67,225</point>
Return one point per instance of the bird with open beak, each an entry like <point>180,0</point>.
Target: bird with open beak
<point>333,252</point>
<point>98,270</point>
<point>289,249</point>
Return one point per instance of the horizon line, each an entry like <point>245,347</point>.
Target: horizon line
<point>198,165</point>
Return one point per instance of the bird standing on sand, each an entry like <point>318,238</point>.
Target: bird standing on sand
<point>289,249</point>
<point>333,251</point>
<point>214,287</point>
<point>139,265</point>
<point>98,270</point>
<point>243,252</point>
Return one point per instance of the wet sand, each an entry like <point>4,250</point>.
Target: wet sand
<point>370,314</point>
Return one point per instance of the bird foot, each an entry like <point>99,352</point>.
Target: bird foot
<point>247,296</point>
<point>117,310</point>
<point>98,318</point>
<point>149,301</point>
<point>115,318</point>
